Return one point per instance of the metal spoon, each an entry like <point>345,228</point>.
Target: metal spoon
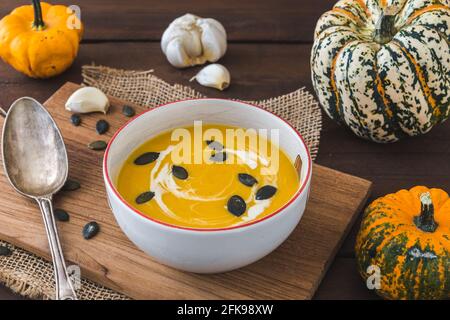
<point>35,162</point>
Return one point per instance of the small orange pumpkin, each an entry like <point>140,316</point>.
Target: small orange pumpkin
<point>38,39</point>
<point>407,236</point>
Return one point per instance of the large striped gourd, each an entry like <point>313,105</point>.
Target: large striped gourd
<point>403,246</point>
<point>382,67</point>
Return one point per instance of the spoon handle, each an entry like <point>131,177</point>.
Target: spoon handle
<point>64,287</point>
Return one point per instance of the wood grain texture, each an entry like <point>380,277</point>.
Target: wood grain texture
<point>293,271</point>
<point>258,71</point>
<point>145,20</point>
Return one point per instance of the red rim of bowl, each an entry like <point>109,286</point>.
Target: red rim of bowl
<point>296,195</point>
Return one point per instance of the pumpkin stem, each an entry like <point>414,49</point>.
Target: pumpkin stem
<point>425,221</point>
<point>385,28</point>
<point>38,22</point>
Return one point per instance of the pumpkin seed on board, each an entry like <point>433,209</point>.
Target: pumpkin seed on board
<point>145,197</point>
<point>146,158</point>
<point>247,180</point>
<point>265,192</point>
<point>102,126</point>
<point>61,215</point>
<point>97,145</point>
<point>219,157</point>
<point>90,230</point>
<point>128,111</point>
<point>179,172</point>
<point>216,146</point>
<point>71,185</point>
<point>5,251</point>
<point>236,205</point>
<point>75,119</point>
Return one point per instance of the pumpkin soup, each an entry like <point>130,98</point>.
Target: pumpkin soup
<point>214,176</point>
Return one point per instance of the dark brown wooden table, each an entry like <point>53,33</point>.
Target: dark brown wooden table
<point>268,55</point>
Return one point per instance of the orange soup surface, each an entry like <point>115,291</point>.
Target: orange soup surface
<point>215,181</point>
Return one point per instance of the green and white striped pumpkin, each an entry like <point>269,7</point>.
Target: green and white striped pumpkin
<point>382,67</point>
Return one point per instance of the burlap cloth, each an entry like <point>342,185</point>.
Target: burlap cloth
<point>32,276</point>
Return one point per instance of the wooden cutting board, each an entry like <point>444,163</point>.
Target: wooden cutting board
<point>293,271</point>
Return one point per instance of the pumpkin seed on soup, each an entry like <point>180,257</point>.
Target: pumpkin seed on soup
<point>179,172</point>
<point>236,206</point>
<point>102,126</point>
<point>146,158</point>
<point>145,197</point>
<point>71,185</point>
<point>75,119</point>
<point>216,146</point>
<point>265,192</point>
<point>128,111</point>
<point>219,157</point>
<point>97,145</point>
<point>61,215</point>
<point>90,230</point>
<point>247,179</point>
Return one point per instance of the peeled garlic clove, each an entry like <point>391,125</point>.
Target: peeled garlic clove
<point>214,76</point>
<point>87,99</point>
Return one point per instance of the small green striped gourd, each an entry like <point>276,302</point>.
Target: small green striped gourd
<point>382,67</point>
<point>403,246</point>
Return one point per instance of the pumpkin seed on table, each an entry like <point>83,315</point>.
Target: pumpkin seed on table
<point>219,157</point>
<point>145,197</point>
<point>146,158</point>
<point>90,230</point>
<point>236,206</point>
<point>179,172</point>
<point>75,119</point>
<point>128,111</point>
<point>71,185</point>
<point>265,192</point>
<point>97,145</point>
<point>102,126</point>
<point>61,215</point>
<point>247,180</point>
<point>5,251</point>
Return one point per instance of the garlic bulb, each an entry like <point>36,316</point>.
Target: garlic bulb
<point>87,99</point>
<point>214,76</point>
<point>190,40</point>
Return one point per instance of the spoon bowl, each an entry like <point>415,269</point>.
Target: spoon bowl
<point>34,154</point>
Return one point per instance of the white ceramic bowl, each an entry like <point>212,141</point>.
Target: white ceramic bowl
<point>205,250</point>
